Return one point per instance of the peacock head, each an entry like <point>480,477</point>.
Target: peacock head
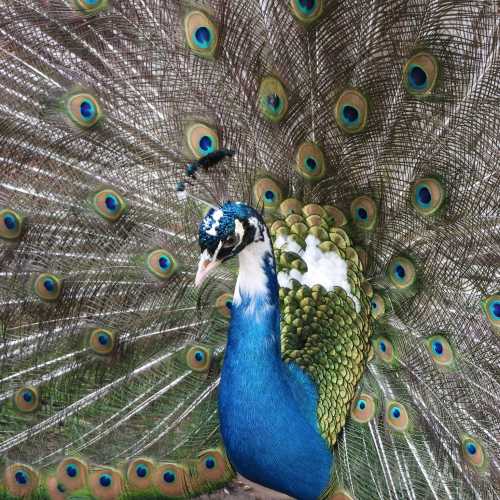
<point>224,232</point>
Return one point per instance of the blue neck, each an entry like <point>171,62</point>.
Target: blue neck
<point>267,408</point>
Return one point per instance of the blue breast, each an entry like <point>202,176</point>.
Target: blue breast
<point>267,408</point>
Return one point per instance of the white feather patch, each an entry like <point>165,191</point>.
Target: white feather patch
<point>327,269</point>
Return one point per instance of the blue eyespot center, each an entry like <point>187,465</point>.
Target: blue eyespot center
<point>417,77</point>
<point>307,5</point>
<point>361,404</point>
<point>396,412</point>
<point>374,305</point>
<point>400,271</point>
<point>495,309</point>
<point>71,470</point>
<point>311,164</point>
<point>28,396</point>
<point>61,488</point>
<point>437,347</point>
<point>103,339</point>
<point>424,195</point>
<point>105,480</point>
<point>164,262</point>
<point>199,356</point>
<point>350,113</point>
<point>202,36</point>
<point>229,304</point>
<point>382,346</point>
<point>92,2</point>
<point>141,470</point>
<point>269,195</point>
<point>169,476</point>
<point>87,110</point>
<point>274,101</point>
<point>111,202</point>
<point>210,463</point>
<point>10,222</point>
<point>206,143</point>
<point>49,284</point>
<point>362,213</point>
<point>471,448</point>
<point>21,477</point>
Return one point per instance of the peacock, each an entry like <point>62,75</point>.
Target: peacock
<point>249,237</point>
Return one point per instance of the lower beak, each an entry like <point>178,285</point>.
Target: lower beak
<point>205,267</point>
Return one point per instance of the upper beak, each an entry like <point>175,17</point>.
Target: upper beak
<point>205,267</point>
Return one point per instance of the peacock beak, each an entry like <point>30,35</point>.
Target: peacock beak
<point>206,265</point>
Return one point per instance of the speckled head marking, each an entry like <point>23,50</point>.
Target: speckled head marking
<point>224,232</point>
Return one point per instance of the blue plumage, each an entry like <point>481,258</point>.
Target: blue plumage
<point>267,409</point>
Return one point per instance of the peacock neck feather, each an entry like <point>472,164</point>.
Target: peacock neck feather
<point>268,408</point>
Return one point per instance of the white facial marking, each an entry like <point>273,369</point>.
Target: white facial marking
<point>216,217</point>
<point>252,280</point>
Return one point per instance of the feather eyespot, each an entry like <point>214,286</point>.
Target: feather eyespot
<point>401,272</point>
<point>172,480</point>
<point>223,304</point>
<point>440,350</point>
<point>377,306</point>
<point>201,34</point>
<point>491,309</point>
<point>273,101</point>
<point>161,264</point>
<point>27,399</point>
<point>351,111</point>
<point>211,465</point>
<point>106,483</point>
<point>11,224</point>
<point>396,416</point>
<point>72,474</point>
<point>109,204</point>
<point>420,74</point>
<point>384,349</point>
<point>102,340</point>
<point>21,480</point>
<point>140,473</point>
<point>84,110</point>
<point>363,408</point>
<point>307,11</point>
<point>202,140</point>
<point>310,162</point>
<point>91,6</point>
<point>473,452</point>
<point>48,287</point>
<point>268,193</point>
<point>198,358</point>
<point>364,212</point>
<point>427,196</point>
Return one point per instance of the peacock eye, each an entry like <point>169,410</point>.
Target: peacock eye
<point>91,6</point>
<point>307,11</point>
<point>310,162</point>
<point>84,110</point>
<point>473,452</point>
<point>351,111</point>
<point>273,100</point>
<point>201,34</point>
<point>230,242</point>
<point>420,74</point>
